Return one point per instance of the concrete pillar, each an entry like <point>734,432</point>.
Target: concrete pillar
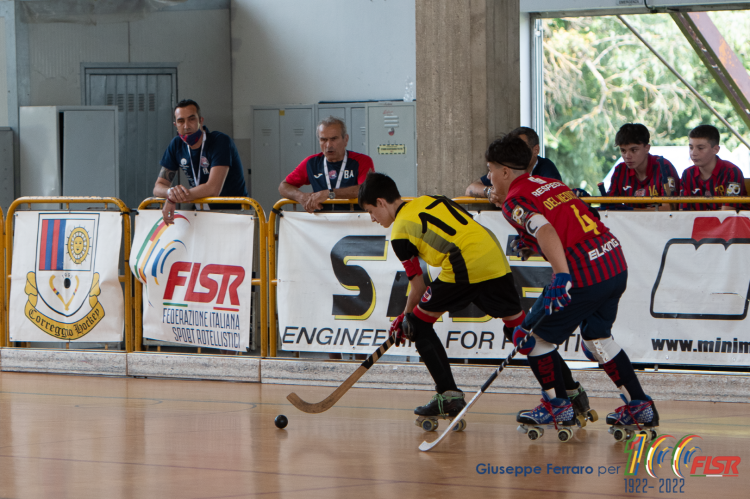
<point>468,87</point>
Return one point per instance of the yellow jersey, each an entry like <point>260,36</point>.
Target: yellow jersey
<point>445,235</point>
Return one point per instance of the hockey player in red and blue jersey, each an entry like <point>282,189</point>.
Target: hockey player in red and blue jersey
<point>589,277</point>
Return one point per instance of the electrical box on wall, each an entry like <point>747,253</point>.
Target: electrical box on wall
<point>285,135</point>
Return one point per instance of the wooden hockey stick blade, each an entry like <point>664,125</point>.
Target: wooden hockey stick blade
<point>425,445</point>
<point>339,392</point>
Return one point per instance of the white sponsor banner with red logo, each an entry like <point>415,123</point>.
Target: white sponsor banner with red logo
<point>64,281</point>
<point>197,277</point>
<point>340,285</point>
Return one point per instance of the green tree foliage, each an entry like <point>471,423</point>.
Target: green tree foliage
<point>598,76</point>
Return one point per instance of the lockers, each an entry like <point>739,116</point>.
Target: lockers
<point>282,138</point>
<point>392,143</point>
<point>68,151</point>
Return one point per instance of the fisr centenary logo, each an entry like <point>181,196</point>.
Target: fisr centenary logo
<point>683,457</point>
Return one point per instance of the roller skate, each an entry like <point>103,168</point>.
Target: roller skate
<point>446,405</point>
<point>580,401</point>
<point>635,417</point>
<point>554,413</point>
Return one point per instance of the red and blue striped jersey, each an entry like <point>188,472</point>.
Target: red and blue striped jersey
<point>625,182</point>
<point>593,253</point>
<point>726,180</point>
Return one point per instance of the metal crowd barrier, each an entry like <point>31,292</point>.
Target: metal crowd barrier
<point>126,278</point>
<point>261,281</point>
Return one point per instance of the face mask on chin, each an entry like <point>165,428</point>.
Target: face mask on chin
<point>193,138</point>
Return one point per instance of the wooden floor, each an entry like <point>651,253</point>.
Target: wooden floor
<point>94,437</point>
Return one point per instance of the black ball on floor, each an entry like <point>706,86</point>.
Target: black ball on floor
<point>281,421</point>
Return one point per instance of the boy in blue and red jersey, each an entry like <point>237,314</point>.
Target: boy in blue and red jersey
<point>589,277</point>
<point>710,175</point>
<point>642,174</point>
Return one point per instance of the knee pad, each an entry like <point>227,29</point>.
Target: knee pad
<point>541,347</point>
<point>603,349</point>
<point>414,327</point>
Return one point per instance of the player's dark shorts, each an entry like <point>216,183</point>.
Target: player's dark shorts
<point>593,307</point>
<point>495,297</point>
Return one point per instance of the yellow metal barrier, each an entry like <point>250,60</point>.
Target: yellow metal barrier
<point>3,308</point>
<point>67,201</point>
<point>668,200</point>
<point>261,282</point>
<point>636,200</point>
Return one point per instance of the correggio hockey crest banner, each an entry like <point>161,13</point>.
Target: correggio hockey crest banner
<point>340,285</point>
<point>64,284</point>
<point>197,277</point>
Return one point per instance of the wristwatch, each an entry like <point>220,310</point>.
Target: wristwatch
<point>331,194</point>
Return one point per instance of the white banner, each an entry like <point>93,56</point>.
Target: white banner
<point>64,280</point>
<point>197,277</point>
<point>340,284</point>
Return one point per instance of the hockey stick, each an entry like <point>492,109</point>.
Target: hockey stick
<point>425,446</point>
<point>329,401</point>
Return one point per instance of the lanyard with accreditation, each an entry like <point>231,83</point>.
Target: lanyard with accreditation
<point>196,178</point>
<point>341,171</point>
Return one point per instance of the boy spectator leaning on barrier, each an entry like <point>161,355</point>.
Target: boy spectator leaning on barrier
<point>710,175</point>
<point>538,166</point>
<point>642,174</point>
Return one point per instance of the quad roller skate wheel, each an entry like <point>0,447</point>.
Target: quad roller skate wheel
<point>646,434</point>
<point>461,426</point>
<point>581,420</point>
<point>619,434</point>
<point>535,433</point>
<point>654,434</point>
<point>564,434</point>
<point>593,416</point>
<point>428,424</point>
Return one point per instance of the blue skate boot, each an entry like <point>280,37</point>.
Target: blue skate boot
<point>638,416</point>
<point>446,405</point>
<point>554,413</point>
